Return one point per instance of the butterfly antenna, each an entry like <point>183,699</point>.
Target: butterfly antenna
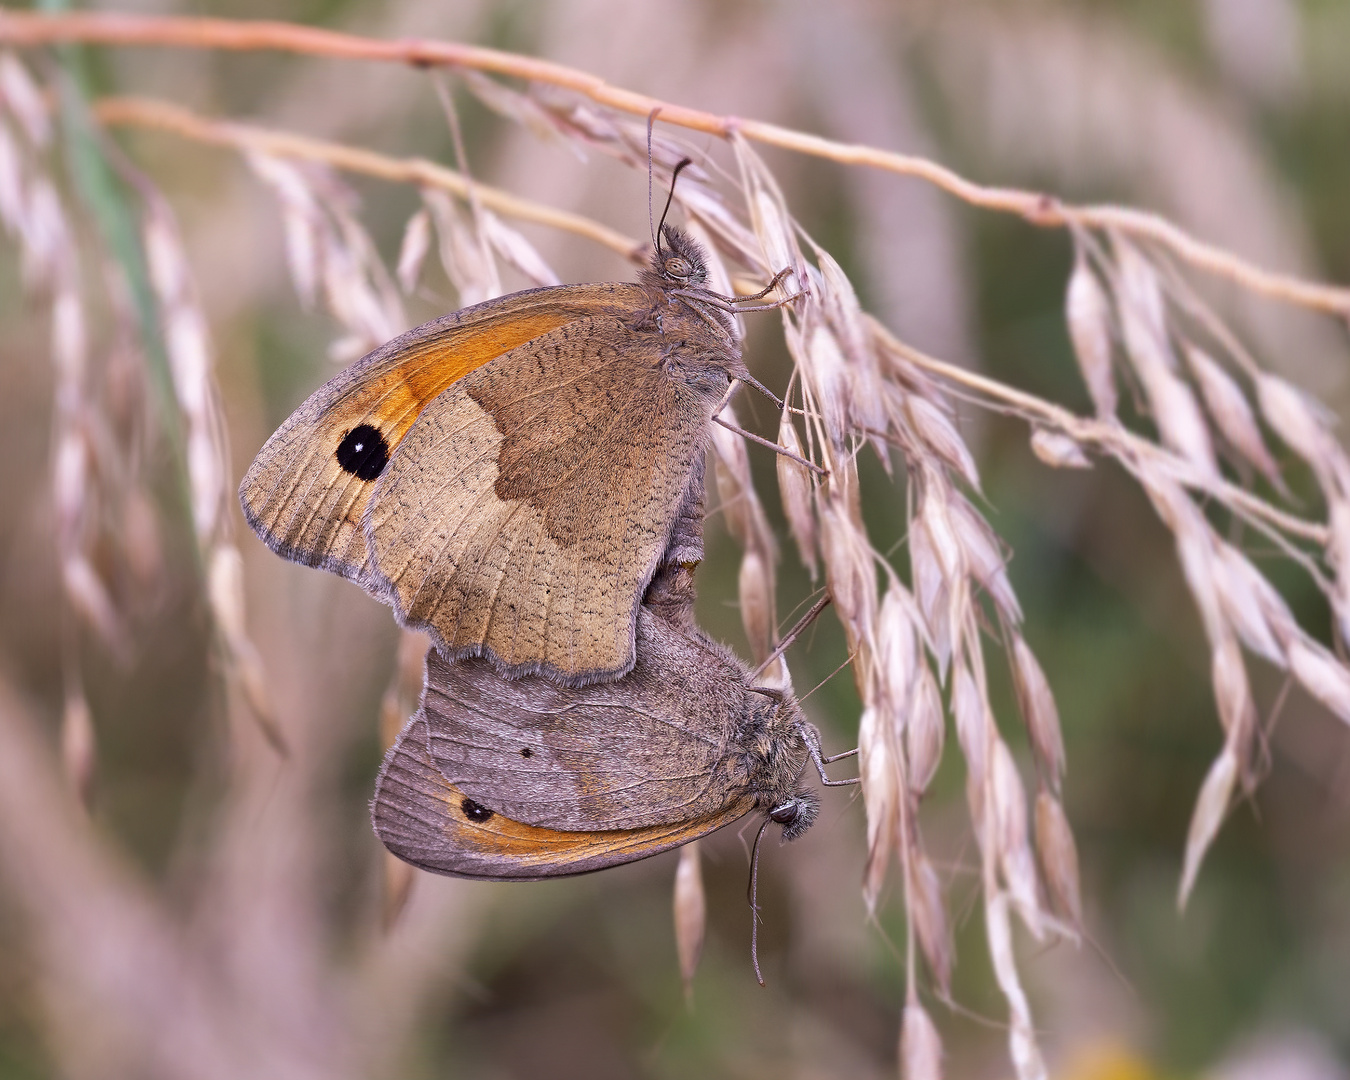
<point>670,197</point>
<point>651,123</point>
<point>792,635</point>
<point>753,893</point>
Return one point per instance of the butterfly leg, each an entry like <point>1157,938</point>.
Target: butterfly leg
<point>811,735</point>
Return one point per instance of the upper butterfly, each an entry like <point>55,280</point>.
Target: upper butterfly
<point>510,476</point>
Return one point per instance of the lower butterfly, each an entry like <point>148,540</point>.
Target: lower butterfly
<point>523,779</point>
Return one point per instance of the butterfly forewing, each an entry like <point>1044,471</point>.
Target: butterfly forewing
<point>529,506</point>
<point>306,492</point>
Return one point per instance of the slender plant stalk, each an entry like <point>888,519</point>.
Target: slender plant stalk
<point>24,28</point>
<point>149,113</point>
<point>163,116</point>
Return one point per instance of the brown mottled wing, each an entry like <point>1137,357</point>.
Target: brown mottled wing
<point>531,503</point>
<point>297,495</point>
<point>425,820</point>
<point>654,747</point>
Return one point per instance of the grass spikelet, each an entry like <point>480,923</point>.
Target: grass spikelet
<point>920,1045</point>
<point>798,496</point>
<point>1210,808</point>
<point>467,262</point>
<point>1025,1053</point>
<point>932,930</point>
<point>1039,712</point>
<point>1011,837</point>
<point>881,798</point>
<point>925,729</point>
<point>1058,450</point>
<point>1057,855</point>
<point>1087,311</point>
<point>691,915</point>
<point>412,252</point>
<point>79,746</point>
<point>1232,414</point>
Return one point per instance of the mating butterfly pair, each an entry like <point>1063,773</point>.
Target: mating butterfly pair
<point>524,480</point>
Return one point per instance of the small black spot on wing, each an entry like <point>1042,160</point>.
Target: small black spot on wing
<point>525,751</point>
<point>474,812</point>
<point>363,452</point>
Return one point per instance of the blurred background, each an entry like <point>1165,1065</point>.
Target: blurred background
<point>221,895</point>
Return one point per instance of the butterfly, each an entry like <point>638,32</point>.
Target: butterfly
<point>511,476</point>
<point>523,779</point>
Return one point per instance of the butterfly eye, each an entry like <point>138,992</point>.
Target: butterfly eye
<point>785,814</point>
<point>677,267</point>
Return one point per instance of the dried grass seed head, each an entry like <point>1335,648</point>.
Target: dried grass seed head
<point>25,101</point>
<point>925,730</point>
<point>512,247</point>
<point>1211,806</point>
<point>1232,413</point>
<point>1022,1046</point>
<point>928,908</point>
<point>741,508</point>
<point>12,200</point>
<point>1338,556</point>
<point>79,745</point>
<point>1011,838</point>
<point>300,220</point>
<point>691,914</point>
<point>896,652</point>
<point>1304,426</point>
<point>755,588</point>
<point>1087,310</point>
<point>850,569</point>
<point>797,491</point>
<point>936,433</point>
<point>1148,346</point>
<point>1321,674</point>
<point>1233,693</point>
<point>413,250</point>
<point>1058,450</point>
<point>985,556</point>
<point>920,1045</point>
<point>1195,542</point>
<point>881,799</point>
<point>1057,855</point>
<point>1039,712</point>
<point>973,731</point>
<point>1257,612</point>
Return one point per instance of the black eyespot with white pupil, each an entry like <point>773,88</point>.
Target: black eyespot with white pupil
<point>363,452</point>
<point>474,812</point>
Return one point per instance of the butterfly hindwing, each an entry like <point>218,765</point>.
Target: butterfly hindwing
<point>654,747</point>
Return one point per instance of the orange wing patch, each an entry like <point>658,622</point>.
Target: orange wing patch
<point>431,367</point>
<point>308,488</point>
